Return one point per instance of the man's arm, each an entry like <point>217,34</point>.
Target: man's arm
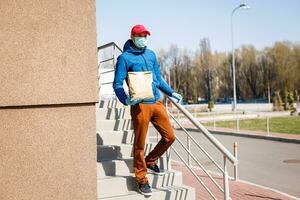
<point>120,76</point>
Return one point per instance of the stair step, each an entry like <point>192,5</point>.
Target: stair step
<point>170,193</point>
<point>112,103</point>
<point>113,125</point>
<point>115,137</point>
<point>121,185</point>
<point>113,113</point>
<point>114,167</point>
<point>115,177</point>
<point>122,167</point>
<point>113,152</point>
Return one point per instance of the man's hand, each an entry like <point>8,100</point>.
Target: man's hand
<point>131,103</point>
<point>177,96</point>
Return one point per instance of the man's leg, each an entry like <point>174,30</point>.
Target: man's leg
<point>161,122</point>
<point>140,114</point>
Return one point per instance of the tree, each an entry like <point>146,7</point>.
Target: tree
<point>207,70</point>
<point>251,76</point>
<point>207,74</point>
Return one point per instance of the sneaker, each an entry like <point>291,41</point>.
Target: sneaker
<point>154,169</point>
<point>145,189</point>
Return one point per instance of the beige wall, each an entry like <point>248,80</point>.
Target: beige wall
<point>48,153</point>
<point>48,90</point>
<point>48,51</point>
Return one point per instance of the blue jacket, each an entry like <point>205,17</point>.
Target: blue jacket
<point>134,60</point>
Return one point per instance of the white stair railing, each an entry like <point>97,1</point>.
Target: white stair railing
<point>226,154</point>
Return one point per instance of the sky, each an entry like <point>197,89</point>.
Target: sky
<point>185,22</point>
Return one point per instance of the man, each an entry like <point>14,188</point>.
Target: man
<point>135,56</point>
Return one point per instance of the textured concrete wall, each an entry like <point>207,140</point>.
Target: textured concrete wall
<point>48,90</point>
<point>48,51</point>
<point>48,153</point>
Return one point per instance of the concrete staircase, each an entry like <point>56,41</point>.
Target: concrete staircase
<point>115,176</point>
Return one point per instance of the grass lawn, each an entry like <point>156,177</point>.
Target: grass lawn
<point>289,125</point>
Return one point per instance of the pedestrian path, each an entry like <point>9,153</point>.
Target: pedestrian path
<point>239,190</point>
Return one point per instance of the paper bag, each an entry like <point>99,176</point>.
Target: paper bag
<point>140,85</point>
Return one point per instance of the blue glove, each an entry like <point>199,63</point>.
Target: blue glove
<point>131,103</point>
<point>177,96</point>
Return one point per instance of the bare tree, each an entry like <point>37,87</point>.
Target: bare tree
<point>207,71</point>
<point>209,75</point>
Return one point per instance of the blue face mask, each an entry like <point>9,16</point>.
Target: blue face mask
<point>140,42</point>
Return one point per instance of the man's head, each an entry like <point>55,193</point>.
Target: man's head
<point>139,36</point>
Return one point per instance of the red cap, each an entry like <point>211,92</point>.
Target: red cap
<point>139,29</point>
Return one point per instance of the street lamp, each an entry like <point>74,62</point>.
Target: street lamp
<point>246,7</point>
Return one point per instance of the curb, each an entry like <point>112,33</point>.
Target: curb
<point>272,138</point>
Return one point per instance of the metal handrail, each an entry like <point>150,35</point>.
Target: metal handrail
<point>193,172</point>
<point>206,133</point>
<point>109,59</point>
<point>115,47</point>
<point>225,152</point>
<point>190,136</point>
<point>201,166</point>
<point>108,45</point>
<point>106,72</point>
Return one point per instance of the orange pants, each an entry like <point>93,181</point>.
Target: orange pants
<point>141,115</point>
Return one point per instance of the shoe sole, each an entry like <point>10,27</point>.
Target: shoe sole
<point>154,172</point>
<point>145,194</point>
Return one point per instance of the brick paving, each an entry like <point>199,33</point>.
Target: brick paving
<point>238,190</point>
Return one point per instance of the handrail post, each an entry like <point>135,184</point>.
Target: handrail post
<point>168,153</point>
<point>168,160</point>
<point>189,148</point>
<point>235,153</point>
<point>114,56</point>
<point>225,181</point>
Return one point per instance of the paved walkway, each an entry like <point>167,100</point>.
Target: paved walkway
<point>238,190</point>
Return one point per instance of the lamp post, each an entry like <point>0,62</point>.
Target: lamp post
<point>242,6</point>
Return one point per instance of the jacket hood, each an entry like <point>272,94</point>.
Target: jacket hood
<point>129,47</point>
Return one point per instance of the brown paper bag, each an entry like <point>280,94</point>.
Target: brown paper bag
<point>140,85</point>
